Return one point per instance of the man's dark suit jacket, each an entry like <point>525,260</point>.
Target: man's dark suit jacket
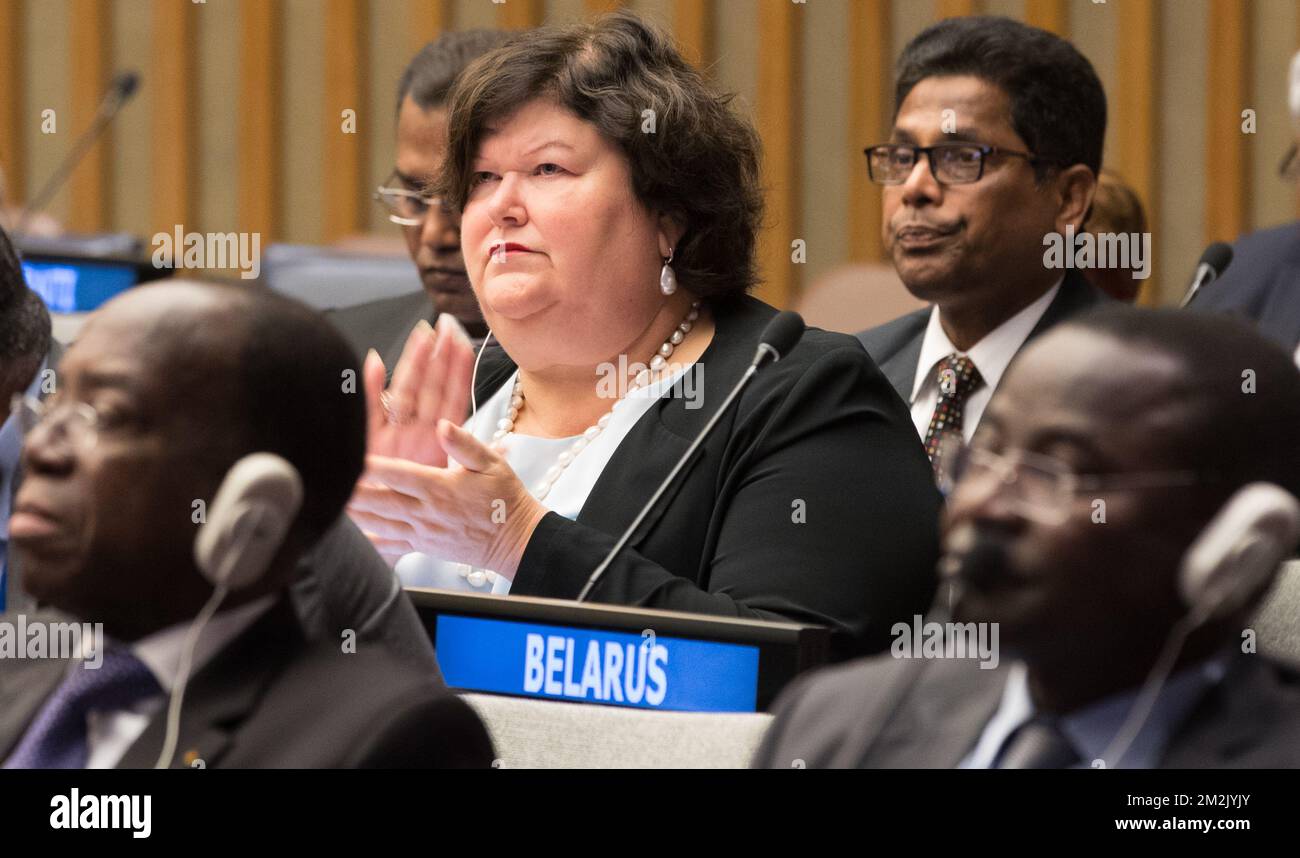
<point>382,325</point>
<point>896,345</point>
<point>811,501</point>
<point>886,712</point>
<point>1262,284</point>
<point>272,699</point>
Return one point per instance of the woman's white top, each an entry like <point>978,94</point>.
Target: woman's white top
<point>531,458</point>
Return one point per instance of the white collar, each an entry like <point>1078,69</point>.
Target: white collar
<point>992,354</point>
<point>161,651</point>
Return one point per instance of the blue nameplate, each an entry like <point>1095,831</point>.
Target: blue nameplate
<point>77,287</point>
<point>579,664</point>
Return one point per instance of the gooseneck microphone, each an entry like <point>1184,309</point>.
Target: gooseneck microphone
<point>778,338</point>
<point>1216,258</point>
<point>120,91</point>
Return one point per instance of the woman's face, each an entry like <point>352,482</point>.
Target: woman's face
<point>562,256</point>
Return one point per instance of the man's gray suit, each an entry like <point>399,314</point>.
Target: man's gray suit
<point>885,712</point>
<point>896,346</point>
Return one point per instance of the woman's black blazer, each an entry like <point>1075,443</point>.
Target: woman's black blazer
<point>811,501</point>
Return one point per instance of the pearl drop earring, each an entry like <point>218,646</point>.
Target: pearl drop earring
<point>667,277</point>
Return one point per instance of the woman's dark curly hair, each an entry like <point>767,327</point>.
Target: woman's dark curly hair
<point>700,164</point>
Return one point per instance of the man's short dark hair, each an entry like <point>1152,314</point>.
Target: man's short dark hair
<point>25,329</point>
<point>299,395</point>
<point>430,74</point>
<point>1242,433</point>
<point>1058,105</point>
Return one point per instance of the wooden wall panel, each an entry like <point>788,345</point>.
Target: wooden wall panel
<point>600,7</point>
<point>429,19</point>
<point>693,23</point>
<point>90,35</point>
<point>870,106</point>
<point>260,180</point>
<point>13,183</point>
<point>1051,15</point>
<point>174,93</point>
<point>1227,84</point>
<point>779,124</point>
<point>344,164</point>
<point>1133,109</point>
<point>956,8</point>
<point>521,14</point>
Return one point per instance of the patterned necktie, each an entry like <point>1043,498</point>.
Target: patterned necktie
<point>1038,744</point>
<point>958,379</point>
<point>56,739</point>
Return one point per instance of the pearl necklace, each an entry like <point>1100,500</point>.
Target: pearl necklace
<point>478,577</point>
<point>506,425</point>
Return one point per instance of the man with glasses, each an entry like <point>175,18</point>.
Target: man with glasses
<point>167,387</point>
<point>1112,442</point>
<point>996,143</point>
<point>27,350</point>
<point>431,228</point>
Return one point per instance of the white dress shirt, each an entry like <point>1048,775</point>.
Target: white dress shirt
<point>990,355</point>
<point>530,458</point>
<point>111,734</point>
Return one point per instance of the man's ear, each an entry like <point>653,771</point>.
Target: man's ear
<point>671,230</point>
<point>1075,187</point>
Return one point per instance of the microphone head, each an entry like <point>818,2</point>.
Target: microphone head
<point>783,332</point>
<point>1218,256</point>
<point>1293,92</point>
<point>125,84</point>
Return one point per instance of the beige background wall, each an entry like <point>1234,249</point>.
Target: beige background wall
<point>43,38</point>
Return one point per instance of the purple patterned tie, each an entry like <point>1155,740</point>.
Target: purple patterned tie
<point>56,738</point>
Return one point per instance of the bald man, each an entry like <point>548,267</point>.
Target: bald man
<point>166,389</point>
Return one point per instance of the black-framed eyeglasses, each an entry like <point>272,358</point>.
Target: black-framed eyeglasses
<point>406,207</point>
<point>1041,488</point>
<point>950,163</point>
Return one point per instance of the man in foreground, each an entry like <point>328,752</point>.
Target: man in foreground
<point>166,389</point>
<point>1113,442</point>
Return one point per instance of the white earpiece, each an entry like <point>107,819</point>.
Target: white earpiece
<point>248,520</point>
<point>245,526</point>
<point>473,381</point>
<point>1240,549</point>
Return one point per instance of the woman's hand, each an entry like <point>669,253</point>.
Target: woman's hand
<point>477,511</point>
<point>431,382</point>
